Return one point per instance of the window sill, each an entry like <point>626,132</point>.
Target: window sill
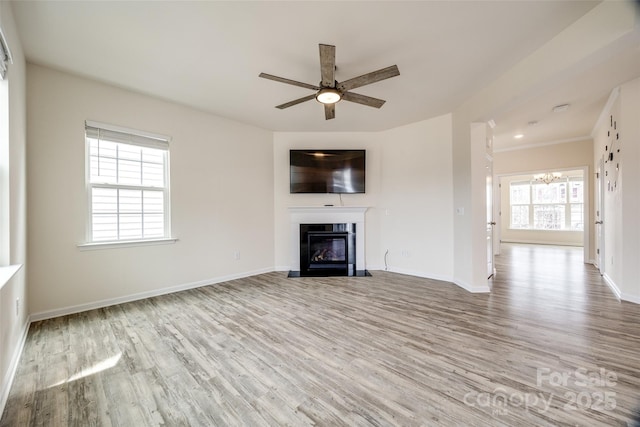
<point>544,230</point>
<point>6,273</point>
<point>125,244</point>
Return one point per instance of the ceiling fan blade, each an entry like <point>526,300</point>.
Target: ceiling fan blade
<point>329,111</point>
<point>288,81</point>
<point>367,79</point>
<point>328,65</point>
<point>296,102</point>
<point>363,99</point>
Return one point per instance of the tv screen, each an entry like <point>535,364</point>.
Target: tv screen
<point>327,171</point>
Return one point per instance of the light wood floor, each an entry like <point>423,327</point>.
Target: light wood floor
<point>382,350</point>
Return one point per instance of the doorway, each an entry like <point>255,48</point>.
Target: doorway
<point>490,220</point>
<point>533,211</point>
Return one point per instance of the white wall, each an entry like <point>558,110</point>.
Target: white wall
<point>622,204</point>
<point>221,197</point>
<point>417,194</point>
<point>13,326</point>
<point>469,201</point>
<point>408,192</point>
<point>629,157</point>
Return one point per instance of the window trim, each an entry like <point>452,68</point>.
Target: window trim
<point>126,243</point>
<point>163,140</point>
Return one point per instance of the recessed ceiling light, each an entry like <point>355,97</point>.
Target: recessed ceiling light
<point>518,136</point>
<point>560,108</point>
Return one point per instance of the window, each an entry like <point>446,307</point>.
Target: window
<point>128,185</point>
<point>5,207</point>
<point>555,206</point>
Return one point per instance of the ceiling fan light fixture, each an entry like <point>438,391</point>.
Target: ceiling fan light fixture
<point>328,95</point>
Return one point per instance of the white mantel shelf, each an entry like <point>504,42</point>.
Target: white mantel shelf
<point>327,215</point>
<point>324,208</point>
<point>355,211</point>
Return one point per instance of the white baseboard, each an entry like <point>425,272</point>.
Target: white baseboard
<point>473,289</point>
<point>49,314</point>
<point>630,298</point>
<point>13,367</point>
<point>622,296</point>
<point>422,274</point>
<point>541,242</point>
<point>614,288</point>
<point>467,287</point>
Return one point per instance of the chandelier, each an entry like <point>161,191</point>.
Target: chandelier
<point>547,177</point>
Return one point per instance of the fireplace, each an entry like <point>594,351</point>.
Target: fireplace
<point>335,223</point>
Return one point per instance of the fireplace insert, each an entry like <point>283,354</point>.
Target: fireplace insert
<point>327,249</point>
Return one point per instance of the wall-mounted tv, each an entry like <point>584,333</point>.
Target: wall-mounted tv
<point>327,171</point>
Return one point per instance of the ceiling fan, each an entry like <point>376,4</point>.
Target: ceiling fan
<point>329,91</point>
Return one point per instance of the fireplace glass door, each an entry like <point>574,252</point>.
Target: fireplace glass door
<point>328,249</point>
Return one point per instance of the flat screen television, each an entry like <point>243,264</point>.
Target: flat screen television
<point>327,171</point>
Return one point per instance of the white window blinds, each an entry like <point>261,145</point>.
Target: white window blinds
<point>128,176</point>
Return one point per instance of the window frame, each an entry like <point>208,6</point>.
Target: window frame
<point>164,141</point>
<point>567,204</point>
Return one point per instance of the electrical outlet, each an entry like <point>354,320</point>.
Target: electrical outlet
<point>236,255</point>
<point>17,306</point>
<point>405,253</point>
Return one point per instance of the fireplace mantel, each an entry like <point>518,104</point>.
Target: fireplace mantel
<point>326,215</point>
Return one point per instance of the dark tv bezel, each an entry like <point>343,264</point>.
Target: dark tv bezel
<point>329,150</point>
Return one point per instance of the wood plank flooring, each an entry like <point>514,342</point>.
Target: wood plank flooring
<point>550,345</point>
